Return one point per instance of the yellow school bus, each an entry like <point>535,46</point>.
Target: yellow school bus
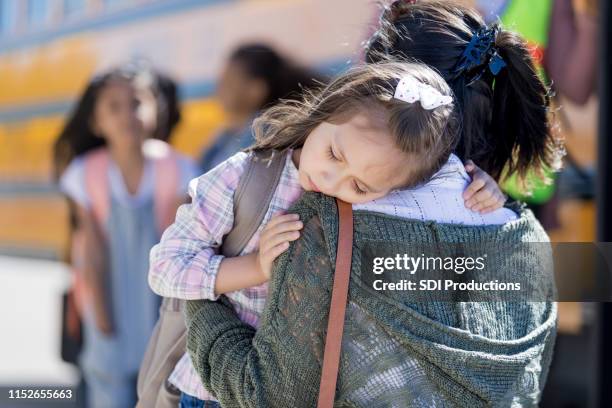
<point>50,48</point>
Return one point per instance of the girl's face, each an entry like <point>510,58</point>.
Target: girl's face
<point>115,116</point>
<point>354,161</point>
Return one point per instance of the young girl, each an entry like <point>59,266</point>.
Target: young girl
<point>375,129</point>
<point>109,123</point>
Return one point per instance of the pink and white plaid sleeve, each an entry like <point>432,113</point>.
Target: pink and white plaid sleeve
<point>184,264</point>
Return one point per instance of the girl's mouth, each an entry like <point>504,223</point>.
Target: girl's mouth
<point>313,186</point>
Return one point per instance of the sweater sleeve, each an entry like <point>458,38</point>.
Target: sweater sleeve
<point>243,367</point>
<point>221,349</point>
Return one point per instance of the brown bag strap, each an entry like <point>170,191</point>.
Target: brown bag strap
<point>337,309</point>
<point>252,198</point>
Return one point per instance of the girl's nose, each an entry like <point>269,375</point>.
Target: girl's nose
<point>332,181</point>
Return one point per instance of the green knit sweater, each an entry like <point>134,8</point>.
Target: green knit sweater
<point>395,352</point>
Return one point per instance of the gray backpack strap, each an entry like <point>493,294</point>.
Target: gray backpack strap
<point>252,198</point>
<point>168,341</point>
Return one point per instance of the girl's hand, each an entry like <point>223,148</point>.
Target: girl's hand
<point>275,239</point>
<point>483,194</point>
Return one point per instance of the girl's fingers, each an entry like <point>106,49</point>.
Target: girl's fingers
<point>277,250</point>
<point>274,252</point>
<point>278,239</point>
<point>492,201</point>
<point>280,228</point>
<point>489,209</point>
<point>500,200</point>
<point>478,198</point>
<point>491,204</point>
<point>483,195</point>
<point>472,189</point>
<point>279,219</point>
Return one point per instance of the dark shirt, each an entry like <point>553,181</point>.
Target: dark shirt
<point>226,144</point>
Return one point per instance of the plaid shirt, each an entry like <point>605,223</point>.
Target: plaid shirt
<point>184,264</point>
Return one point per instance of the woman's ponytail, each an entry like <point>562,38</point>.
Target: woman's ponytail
<point>505,120</point>
<point>520,126</point>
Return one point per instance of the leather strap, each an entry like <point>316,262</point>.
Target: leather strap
<point>337,309</point>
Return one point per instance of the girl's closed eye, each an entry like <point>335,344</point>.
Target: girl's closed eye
<point>331,155</point>
<point>358,190</point>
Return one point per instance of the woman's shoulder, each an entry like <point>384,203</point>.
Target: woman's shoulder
<point>440,199</point>
<point>380,225</point>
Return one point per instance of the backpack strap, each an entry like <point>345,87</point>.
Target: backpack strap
<point>166,179</point>
<point>96,165</point>
<point>337,308</point>
<point>252,198</point>
<point>96,184</point>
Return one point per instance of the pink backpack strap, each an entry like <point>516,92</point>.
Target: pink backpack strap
<point>166,170</point>
<point>77,257</point>
<point>97,188</point>
<point>96,184</point>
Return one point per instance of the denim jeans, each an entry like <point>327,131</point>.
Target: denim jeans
<point>189,401</point>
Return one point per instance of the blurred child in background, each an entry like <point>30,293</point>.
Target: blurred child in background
<point>123,188</point>
<point>255,77</point>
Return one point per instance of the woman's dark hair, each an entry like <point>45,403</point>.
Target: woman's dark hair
<point>505,126</point>
<point>77,137</point>
<point>283,78</point>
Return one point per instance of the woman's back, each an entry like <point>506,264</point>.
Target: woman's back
<point>400,348</point>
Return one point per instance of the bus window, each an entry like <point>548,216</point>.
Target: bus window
<point>111,4</point>
<point>38,13</point>
<point>74,7</point>
<point>8,16</point>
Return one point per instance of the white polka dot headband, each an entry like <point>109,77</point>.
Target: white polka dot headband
<point>410,90</point>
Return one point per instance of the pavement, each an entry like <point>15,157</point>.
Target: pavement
<point>30,329</point>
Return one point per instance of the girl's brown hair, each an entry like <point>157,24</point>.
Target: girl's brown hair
<point>429,136</point>
<point>505,118</point>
